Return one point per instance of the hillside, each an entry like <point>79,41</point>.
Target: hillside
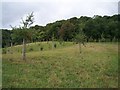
<point>64,66</point>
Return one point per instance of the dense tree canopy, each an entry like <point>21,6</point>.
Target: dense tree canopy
<point>97,28</point>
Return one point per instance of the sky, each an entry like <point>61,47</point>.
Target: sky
<point>48,11</point>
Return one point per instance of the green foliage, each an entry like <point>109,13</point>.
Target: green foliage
<point>66,30</point>
<point>102,38</point>
<point>6,38</point>
<point>81,38</point>
<point>4,51</point>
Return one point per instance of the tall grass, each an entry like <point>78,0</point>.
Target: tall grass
<point>64,67</point>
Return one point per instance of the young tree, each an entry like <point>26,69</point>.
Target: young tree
<point>80,39</point>
<point>23,32</point>
<point>53,42</point>
<point>26,24</point>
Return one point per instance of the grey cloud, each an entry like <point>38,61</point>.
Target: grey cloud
<point>46,12</point>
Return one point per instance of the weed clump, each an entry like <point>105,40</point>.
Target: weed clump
<point>39,44</point>
<point>49,46</point>
<point>55,45</point>
<point>41,48</point>
<point>31,49</point>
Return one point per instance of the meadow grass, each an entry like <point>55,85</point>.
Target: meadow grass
<point>63,67</point>
<point>37,46</point>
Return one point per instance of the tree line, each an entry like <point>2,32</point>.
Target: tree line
<point>95,29</point>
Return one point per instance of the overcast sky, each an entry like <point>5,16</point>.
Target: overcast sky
<point>47,11</point>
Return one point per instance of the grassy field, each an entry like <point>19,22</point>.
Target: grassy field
<point>95,67</point>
